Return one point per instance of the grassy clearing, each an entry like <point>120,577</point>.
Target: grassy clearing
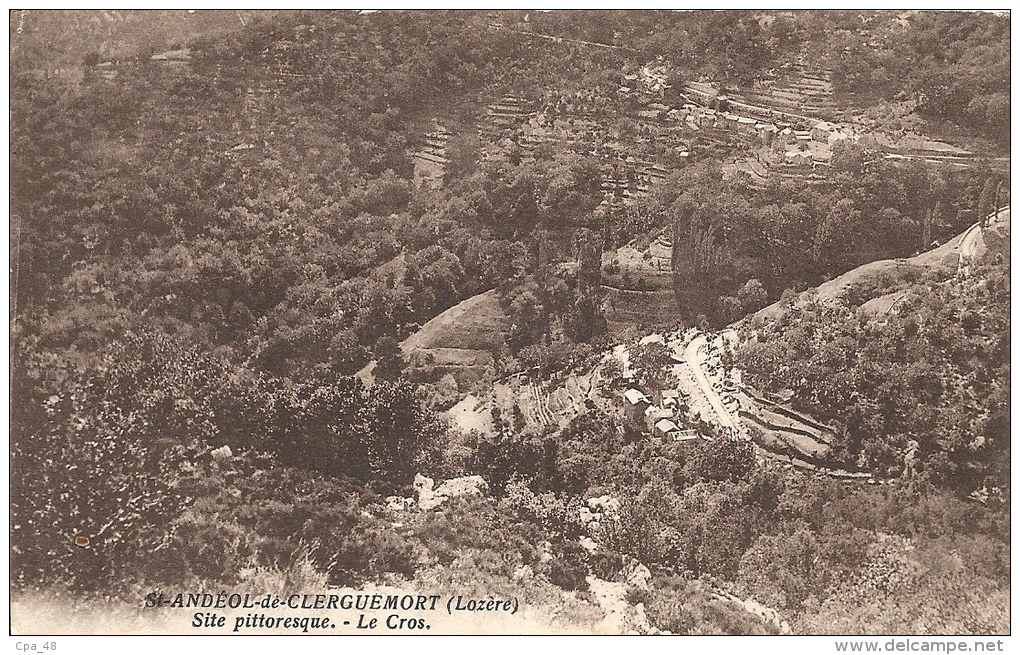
<point>474,324</point>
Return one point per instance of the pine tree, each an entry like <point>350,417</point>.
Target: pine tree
<point>985,201</point>
<point>931,219</point>
<point>998,196</point>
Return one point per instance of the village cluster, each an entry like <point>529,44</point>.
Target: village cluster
<point>697,381</point>
<point>647,129</point>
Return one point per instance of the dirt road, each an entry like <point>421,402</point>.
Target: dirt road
<point>972,242</point>
<point>696,356</point>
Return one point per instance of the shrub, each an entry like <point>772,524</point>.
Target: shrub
<point>636,595</point>
<point>366,555</point>
<point>664,605</point>
<point>721,460</point>
<point>605,564</point>
<point>109,503</point>
<point>566,573</point>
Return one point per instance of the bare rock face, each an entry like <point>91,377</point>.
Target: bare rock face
<point>398,504</point>
<point>430,497</point>
<point>471,485</point>
<point>637,575</point>
<point>421,482</point>
<point>222,453</point>
<point>595,510</point>
<point>524,572</point>
<point>427,498</point>
<point>604,504</point>
<point>640,620</point>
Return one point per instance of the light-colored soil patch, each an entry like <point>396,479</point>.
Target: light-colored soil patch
<point>611,597</point>
<point>629,308</point>
<point>472,414</point>
<point>474,324</point>
<point>945,256</point>
<point>452,357</point>
<point>883,304</point>
<point>459,340</point>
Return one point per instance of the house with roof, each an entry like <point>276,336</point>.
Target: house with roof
<point>666,427</point>
<point>820,152</point>
<point>746,122</point>
<point>649,115</point>
<point>837,137</point>
<point>823,130</point>
<point>654,413</point>
<point>767,133</point>
<point>635,405</point>
<point>798,158</point>
<point>686,435</point>
<point>173,56</point>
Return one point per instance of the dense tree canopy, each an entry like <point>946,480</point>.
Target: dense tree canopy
<point>934,372</point>
<point>208,250</point>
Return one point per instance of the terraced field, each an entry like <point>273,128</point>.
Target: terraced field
<point>627,309</point>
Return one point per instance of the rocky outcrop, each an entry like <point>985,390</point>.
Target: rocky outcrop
<point>430,497</point>
<point>604,504</point>
<point>597,510</point>
<point>754,608</point>
<point>637,575</point>
<point>620,616</point>
<point>398,504</point>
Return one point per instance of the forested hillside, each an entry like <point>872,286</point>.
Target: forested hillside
<point>933,373</point>
<point>225,224</point>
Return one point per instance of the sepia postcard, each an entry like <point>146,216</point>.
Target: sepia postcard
<point>511,322</point>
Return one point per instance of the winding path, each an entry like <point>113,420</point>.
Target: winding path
<point>695,355</point>
<point>969,244</point>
